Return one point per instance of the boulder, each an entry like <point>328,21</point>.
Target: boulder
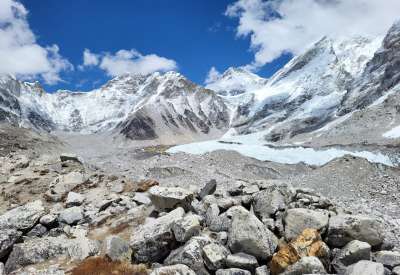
<point>23,217</point>
<point>145,185</point>
<point>214,256</point>
<point>396,270</point>
<point>178,269</point>
<point>2,269</point>
<point>345,228</point>
<point>308,244</point>
<point>249,235</point>
<point>37,231</point>
<point>141,198</point>
<point>48,220</point>
<point>117,249</point>
<point>353,252</point>
<point>216,222</point>
<point>232,271</point>
<point>71,215</point>
<point>8,237</point>
<point>266,204</point>
<point>306,265</point>
<point>365,268</point>
<point>186,228</point>
<point>242,261</point>
<point>74,199</point>
<point>36,251</point>
<point>152,241</point>
<point>167,198</point>
<point>70,157</point>
<point>208,189</point>
<point>388,258</point>
<point>191,254</point>
<point>63,185</point>
<point>262,270</point>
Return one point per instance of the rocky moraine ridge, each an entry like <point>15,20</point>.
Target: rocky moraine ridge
<point>86,218</point>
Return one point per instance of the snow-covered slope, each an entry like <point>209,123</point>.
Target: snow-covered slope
<point>137,106</point>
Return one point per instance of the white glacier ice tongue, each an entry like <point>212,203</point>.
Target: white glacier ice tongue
<point>252,146</point>
<point>393,133</point>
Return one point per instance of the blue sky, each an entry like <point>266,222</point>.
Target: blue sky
<point>196,34</point>
<point>79,45</point>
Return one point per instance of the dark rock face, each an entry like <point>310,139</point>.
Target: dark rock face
<point>39,122</point>
<point>139,128</point>
<point>381,74</point>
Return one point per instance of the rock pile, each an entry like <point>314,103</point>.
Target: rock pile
<point>263,227</point>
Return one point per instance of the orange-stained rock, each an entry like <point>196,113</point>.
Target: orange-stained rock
<point>145,185</point>
<point>309,243</point>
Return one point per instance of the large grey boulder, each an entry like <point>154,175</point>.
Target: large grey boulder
<point>214,256</point>
<point>208,189</point>
<point>36,251</point>
<point>151,241</point>
<point>249,235</point>
<point>191,254</point>
<point>267,202</point>
<point>353,252</point>
<point>388,258</point>
<point>167,198</point>
<point>23,217</point>
<point>2,269</point>
<point>365,268</point>
<point>298,219</point>
<point>117,249</point>
<point>306,265</point>
<point>345,228</point>
<point>186,228</point>
<point>178,269</point>
<point>7,239</point>
<point>396,270</point>
<point>242,261</point>
<point>262,270</point>
<point>232,271</point>
<point>71,215</point>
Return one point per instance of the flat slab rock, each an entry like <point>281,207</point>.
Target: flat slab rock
<point>167,198</point>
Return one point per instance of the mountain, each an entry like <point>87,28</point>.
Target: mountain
<point>136,106</point>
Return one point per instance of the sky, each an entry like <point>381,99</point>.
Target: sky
<point>79,45</point>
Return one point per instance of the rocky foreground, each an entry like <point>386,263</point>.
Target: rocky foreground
<point>62,216</point>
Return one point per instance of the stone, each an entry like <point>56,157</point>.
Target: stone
<point>351,253</point>
<point>262,270</point>
<point>214,256</point>
<point>186,228</point>
<point>36,251</point>
<point>242,261</point>
<point>37,231</point>
<point>117,187</point>
<point>8,237</point>
<point>308,244</point>
<point>191,254</point>
<point>396,270</point>
<point>345,228</point>
<point>71,215</point>
<point>178,269</point>
<point>70,157</point>
<point>306,265</point>
<point>63,185</point>
<point>208,189</point>
<point>74,199</point>
<point>249,235</point>
<point>49,220</point>
<point>141,198</point>
<point>145,185</point>
<point>117,249</point>
<point>2,269</point>
<point>23,217</point>
<point>167,198</point>
<point>298,219</point>
<point>249,190</point>
<point>388,258</point>
<point>216,222</point>
<point>365,268</point>
<point>232,271</point>
<point>151,241</point>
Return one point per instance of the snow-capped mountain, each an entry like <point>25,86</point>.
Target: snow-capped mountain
<point>137,106</point>
<point>329,82</point>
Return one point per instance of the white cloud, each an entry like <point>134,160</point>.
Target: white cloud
<point>128,61</point>
<point>212,76</point>
<point>89,58</point>
<point>20,54</point>
<point>280,26</point>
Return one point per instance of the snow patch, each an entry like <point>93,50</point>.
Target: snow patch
<point>394,133</point>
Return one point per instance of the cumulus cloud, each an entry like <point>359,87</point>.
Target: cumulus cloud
<point>128,61</point>
<point>20,55</point>
<point>89,58</point>
<point>280,26</point>
<point>212,76</point>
